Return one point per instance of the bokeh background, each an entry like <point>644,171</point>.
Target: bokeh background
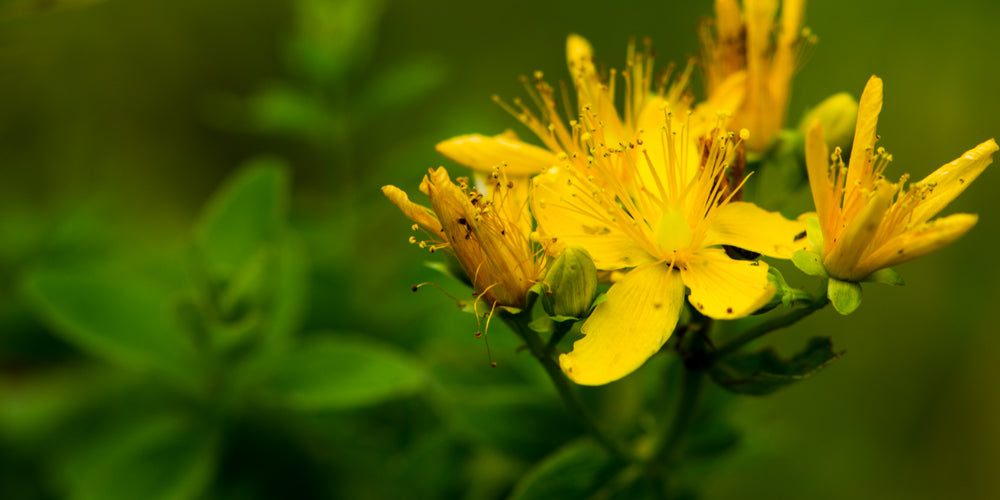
<point>119,119</point>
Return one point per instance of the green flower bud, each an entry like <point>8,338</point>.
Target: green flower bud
<point>837,114</point>
<point>572,284</point>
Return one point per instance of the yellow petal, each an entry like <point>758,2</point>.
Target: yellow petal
<point>869,107</point>
<point>417,213</point>
<point>846,251</point>
<point>950,180</point>
<point>917,242</point>
<point>818,167</point>
<point>724,288</point>
<point>483,153</point>
<point>565,209</point>
<point>750,227</point>
<point>638,316</point>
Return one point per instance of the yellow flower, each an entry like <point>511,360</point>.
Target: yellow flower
<point>486,228</point>
<point>667,228</point>
<point>869,223</point>
<point>596,117</point>
<point>750,39</point>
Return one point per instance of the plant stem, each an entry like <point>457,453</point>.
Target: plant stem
<point>767,327</point>
<point>519,323</point>
<point>691,384</point>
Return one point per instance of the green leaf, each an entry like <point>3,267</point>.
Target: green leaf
<point>844,295</point>
<point>246,213</point>
<point>764,372</point>
<point>809,262</point>
<point>886,277</point>
<point>337,373</point>
<point>121,318</point>
<point>166,458</point>
<point>577,470</point>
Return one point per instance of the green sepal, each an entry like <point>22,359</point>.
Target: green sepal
<point>886,277</point>
<point>810,263</point>
<point>784,294</point>
<point>764,372</point>
<point>844,295</point>
<point>815,234</point>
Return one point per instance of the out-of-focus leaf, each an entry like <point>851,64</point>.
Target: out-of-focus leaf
<point>399,85</point>
<point>332,36</point>
<point>284,110</point>
<point>337,373</point>
<point>17,8</point>
<point>288,287</point>
<point>764,372</point>
<point>248,212</point>
<point>166,458</point>
<point>577,470</point>
<point>120,318</point>
<point>515,420</point>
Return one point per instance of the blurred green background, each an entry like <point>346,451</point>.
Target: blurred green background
<point>120,119</point>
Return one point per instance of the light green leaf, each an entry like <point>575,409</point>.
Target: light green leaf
<point>246,213</point>
<point>809,262</point>
<point>123,319</point>
<point>764,372</point>
<point>886,276</point>
<point>338,373</point>
<point>815,233</point>
<point>844,295</point>
<point>577,470</point>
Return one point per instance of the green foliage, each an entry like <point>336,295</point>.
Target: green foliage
<point>764,372</point>
<point>579,469</point>
<point>121,318</point>
<point>337,373</point>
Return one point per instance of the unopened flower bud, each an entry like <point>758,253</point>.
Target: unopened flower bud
<point>572,284</point>
<point>837,114</point>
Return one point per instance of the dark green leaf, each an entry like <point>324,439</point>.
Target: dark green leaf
<point>121,318</point>
<point>337,373</point>
<point>764,371</point>
<point>577,470</point>
<point>246,213</point>
<point>167,458</point>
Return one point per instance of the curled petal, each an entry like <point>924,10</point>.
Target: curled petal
<point>423,216</point>
<point>917,242</point>
<point>638,316</point>
<point>951,179</point>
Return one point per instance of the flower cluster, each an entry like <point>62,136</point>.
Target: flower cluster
<point>651,189</point>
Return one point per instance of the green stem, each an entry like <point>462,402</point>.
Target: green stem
<point>519,323</point>
<point>561,329</point>
<point>691,384</point>
<point>767,327</point>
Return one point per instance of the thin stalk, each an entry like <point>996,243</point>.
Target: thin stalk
<point>519,323</point>
<point>767,327</point>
